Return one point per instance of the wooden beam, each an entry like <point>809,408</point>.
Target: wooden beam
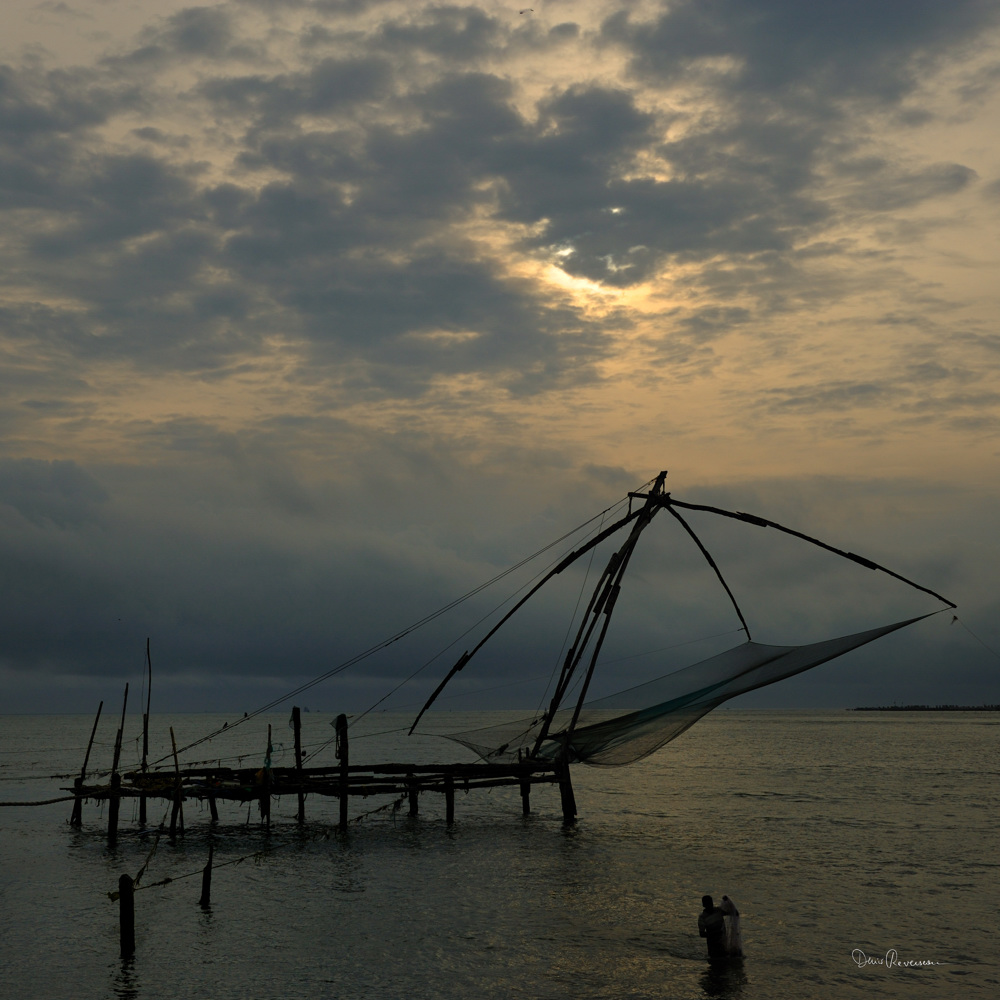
<point>77,818</point>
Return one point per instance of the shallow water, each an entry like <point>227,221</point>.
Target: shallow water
<point>834,833</point>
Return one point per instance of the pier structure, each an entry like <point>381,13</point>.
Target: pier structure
<point>343,781</point>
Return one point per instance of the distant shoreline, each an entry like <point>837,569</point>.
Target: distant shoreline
<point>926,708</point>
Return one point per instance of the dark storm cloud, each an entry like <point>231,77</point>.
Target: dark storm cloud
<point>453,33</point>
<point>119,198</point>
<point>300,238</point>
<point>185,206</point>
<point>349,248</point>
<point>44,117</point>
<point>190,34</point>
<point>812,54</point>
<point>330,85</point>
<point>202,31</point>
<point>747,176</point>
<point>95,562</point>
<point>60,493</point>
<point>346,252</point>
<point>886,189</point>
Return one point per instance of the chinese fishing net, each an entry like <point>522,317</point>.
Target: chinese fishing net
<point>625,727</point>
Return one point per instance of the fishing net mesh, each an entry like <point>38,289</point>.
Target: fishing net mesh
<point>627,726</point>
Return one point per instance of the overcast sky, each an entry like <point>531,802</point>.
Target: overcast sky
<point>316,314</point>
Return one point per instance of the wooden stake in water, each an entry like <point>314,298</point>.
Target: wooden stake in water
<point>145,731</point>
<point>265,792</point>
<point>206,880</point>
<point>77,818</point>
<point>343,755</point>
<point>449,799</point>
<point>566,795</point>
<point>178,809</point>
<point>297,726</point>
<point>116,780</point>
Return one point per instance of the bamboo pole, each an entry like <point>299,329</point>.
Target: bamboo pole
<point>265,793</point>
<point>178,809</point>
<point>411,786</point>
<point>343,755</point>
<point>77,818</point>
<point>116,780</point>
<point>145,731</point>
<point>297,726</point>
<point>449,799</point>
<point>206,880</point>
<point>566,796</point>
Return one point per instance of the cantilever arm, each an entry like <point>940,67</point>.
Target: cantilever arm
<point>569,559</point>
<point>763,522</point>
<point>711,562</point>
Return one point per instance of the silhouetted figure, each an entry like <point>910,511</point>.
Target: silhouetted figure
<point>712,927</point>
<point>734,936</point>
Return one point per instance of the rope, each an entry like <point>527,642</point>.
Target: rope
<point>955,619</point>
<point>392,639</point>
<point>44,802</point>
<point>257,856</point>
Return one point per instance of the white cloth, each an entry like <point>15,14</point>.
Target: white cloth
<point>734,936</point>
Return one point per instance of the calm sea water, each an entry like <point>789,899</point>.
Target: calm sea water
<point>835,833</point>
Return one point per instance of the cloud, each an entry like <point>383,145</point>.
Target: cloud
<point>812,57</point>
<point>60,493</point>
<point>316,314</point>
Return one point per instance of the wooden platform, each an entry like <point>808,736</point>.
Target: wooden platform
<point>342,781</point>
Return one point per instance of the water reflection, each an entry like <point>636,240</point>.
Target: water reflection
<point>126,982</point>
<point>724,979</point>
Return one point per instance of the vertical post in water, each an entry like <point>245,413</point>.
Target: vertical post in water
<point>178,809</point>
<point>265,791</point>
<point>126,915</point>
<point>343,756</point>
<point>77,818</point>
<point>449,799</point>
<point>566,794</point>
<point>411,784</point>
<point>297,726</point>
<point>116,780</point>
<point>525,794</point>
<point>145,731</point>
<point>206,880</point>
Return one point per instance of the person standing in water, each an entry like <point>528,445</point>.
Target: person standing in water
<point>734,936</point>
<point>712,927</point>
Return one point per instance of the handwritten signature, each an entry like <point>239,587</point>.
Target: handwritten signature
<point>891,960</point>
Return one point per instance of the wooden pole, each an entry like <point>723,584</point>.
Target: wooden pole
<point>265,793</point>
<point>206,880</point>
<point>297,726</point>
<point>113,806</point>
<point>116,780</point>
<point>77,818</point>
<point>145,731</point>
<point>449,799</point>
<point>414,795</point>
<point>178,809</point>
<point>343,755</point>
<point>126,915</point>
<point>566,795</point>
<point>525,795</point>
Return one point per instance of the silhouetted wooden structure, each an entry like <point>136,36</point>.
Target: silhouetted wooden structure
<point>612,730</point>
<point>342,781</point>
